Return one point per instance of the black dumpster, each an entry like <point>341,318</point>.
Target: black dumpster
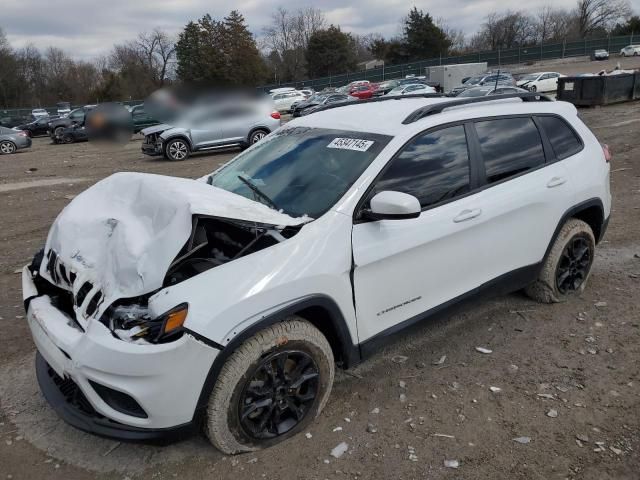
<point>599,90</point>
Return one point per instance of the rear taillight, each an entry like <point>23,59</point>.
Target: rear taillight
<point>275,115</point>
<point>607,153</point>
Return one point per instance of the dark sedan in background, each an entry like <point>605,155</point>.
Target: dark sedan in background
<point>319,99</point>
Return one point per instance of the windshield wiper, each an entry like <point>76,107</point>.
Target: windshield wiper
<point>254,188</point>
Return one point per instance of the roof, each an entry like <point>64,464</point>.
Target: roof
<point>387,117</point>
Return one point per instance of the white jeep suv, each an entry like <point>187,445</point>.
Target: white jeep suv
<point>160,305</point>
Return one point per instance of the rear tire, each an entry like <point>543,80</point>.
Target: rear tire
<point>7,147</point>
<point>177,150</point>
<point>567,267</point>
<point>257,135</point>
<point>256,402</point>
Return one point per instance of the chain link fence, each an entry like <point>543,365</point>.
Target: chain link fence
<point>26,112</point>
<point>494,58</point>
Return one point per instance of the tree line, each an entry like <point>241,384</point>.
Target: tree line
<point>295,45</point>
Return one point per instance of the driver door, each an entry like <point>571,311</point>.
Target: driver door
<point>406,267</point>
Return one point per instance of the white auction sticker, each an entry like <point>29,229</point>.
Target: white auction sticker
<point>356,144</point>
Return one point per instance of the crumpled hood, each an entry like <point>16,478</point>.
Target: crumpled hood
<point>155,128</point>
<point>123,233</point>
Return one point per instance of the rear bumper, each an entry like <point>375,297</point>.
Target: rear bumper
<point>118,389</point>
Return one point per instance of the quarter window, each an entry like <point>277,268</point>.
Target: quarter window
<point>509,147</point>
<point>562,138</point>
<point>433,167</point>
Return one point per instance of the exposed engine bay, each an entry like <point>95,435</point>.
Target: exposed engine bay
<point>215,241</point>
<point>212,242</point>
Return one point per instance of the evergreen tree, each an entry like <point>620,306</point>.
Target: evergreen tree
<point>330,51</point>
<point>245,66</point>
<point>422,37</point>
<point>188,51</point>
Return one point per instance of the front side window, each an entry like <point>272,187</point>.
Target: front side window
<point>301,170</point>
<point>509,146</point>
<point>562,138</point>
<point>433,167</point>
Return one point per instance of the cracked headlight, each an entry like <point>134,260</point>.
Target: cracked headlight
<point>135,323</point>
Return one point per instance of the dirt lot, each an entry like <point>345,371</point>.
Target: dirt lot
<point>569,374</point>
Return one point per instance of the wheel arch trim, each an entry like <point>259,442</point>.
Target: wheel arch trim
<point>350,353</point>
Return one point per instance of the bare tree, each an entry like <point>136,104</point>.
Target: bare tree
<point>505,30</point>
<point>157,50</point>
<point>456,37</point>
<point>593,15</point>
<point>288,36</point>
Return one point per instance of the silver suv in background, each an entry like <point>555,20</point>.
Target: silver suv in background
<point>210,127</point>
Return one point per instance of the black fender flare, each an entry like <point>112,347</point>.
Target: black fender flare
<point>572,212</point>
<point>350,352</point>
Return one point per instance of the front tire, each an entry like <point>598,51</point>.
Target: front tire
<point>270,388</point>
<point>177,150</point>
<point>567,267</point>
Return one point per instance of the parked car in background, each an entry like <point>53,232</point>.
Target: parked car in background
<point>64,108</point>
<point>39,126</point>
<point>75,117</point>
<point>540,81</point>
<point>308,92</point>
<point>337,99</point>
<point>630,51</point>
<point>385,87</point>
<point>39,112</point>
<point>210,128</point>
<point>284,100</point>
<point>412,88</point>
<point>600,54</point>
<point>362,91</point>
<point>275,91</point>
<point>493,78</point>
<point>73,134</point>
<point>319,99</point>
<point>489,90</point>
<point>10,122</point>
<point>13,140</point>
<point>141,119</point>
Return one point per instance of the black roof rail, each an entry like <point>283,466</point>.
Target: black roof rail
<point>384,98</point>
<point>455,102</point>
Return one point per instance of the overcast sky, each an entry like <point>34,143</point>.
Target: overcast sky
<point>86,28</point>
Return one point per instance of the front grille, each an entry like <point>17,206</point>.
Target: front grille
<point>72,393</point>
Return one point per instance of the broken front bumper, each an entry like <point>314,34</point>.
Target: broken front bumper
<point>152,145</point>
<point>113,388</point>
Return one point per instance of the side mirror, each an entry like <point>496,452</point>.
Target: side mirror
<point>390,205</point>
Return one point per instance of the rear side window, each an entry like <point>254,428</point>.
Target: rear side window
<point>509,147</point>
<point>433,167</point>
<point>563,139</point>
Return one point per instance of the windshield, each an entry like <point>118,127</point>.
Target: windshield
<point>301,170</point>
<point>531,76</point>
<point>473,80</point>
<point>397,90</point>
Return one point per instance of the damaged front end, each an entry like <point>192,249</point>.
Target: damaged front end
<point>212,242</point>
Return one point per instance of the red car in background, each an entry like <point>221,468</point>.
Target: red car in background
<point>362,91</point>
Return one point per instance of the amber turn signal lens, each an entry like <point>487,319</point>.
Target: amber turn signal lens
<point>175,319</point>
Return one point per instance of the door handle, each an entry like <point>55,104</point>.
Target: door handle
<point>467,215</point>
<point>556,182</point>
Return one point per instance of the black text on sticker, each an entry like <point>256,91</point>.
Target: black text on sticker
<point>356,144</point>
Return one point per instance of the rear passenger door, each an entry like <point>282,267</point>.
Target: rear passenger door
<point>526,193</point>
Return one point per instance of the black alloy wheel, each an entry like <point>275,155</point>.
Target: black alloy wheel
<point>278,395</point>
<point>574,264</point>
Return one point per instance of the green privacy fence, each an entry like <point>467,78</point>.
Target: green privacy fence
<point>494,58</point>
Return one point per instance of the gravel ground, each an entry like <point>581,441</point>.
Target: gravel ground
<point>568,374</point>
